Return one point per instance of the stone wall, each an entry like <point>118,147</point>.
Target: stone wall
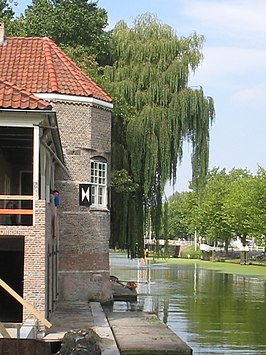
<point>85,132</point>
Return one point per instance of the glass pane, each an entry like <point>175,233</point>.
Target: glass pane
<point>98,178</point>
<point>100,196</point>
<point>93,193</point>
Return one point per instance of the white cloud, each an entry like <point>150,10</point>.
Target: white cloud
<point>239,19</point>
<point>256,94</point>
<point>229,64</point>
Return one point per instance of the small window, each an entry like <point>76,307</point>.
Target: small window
<point>98,183</point>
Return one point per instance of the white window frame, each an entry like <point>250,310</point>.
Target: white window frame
<point>98,183</point>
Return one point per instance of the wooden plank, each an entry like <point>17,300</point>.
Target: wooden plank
<point>17,197</point>
<point>4,332</point>
<point>25,304</point>
<point>15,211</point>
<point>16,346</point>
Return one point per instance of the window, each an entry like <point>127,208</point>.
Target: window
<point>98,183</point>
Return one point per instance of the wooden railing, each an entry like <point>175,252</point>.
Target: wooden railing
<point>16,197</point>
<point>16,211</point>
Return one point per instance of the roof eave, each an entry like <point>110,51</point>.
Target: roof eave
<point>73,98</point>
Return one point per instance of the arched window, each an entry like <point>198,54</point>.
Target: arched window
<point>98,183</point>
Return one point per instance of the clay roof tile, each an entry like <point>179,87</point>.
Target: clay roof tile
<point>40,66</point>
<point>13,97</point>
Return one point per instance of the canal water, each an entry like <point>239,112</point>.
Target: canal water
<point>213,312</point>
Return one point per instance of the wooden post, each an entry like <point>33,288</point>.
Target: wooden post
<point>4,332</point>
<point>25,304</point>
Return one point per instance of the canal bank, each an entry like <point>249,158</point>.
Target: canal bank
<point>229,267</point>
<point>125,333</point>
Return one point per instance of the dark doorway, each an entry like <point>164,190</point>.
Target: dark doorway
<point>11,272</point>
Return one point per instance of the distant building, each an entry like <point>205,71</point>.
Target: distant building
<point>55,133</point>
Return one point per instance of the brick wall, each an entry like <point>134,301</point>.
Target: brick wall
<point>35,259</point>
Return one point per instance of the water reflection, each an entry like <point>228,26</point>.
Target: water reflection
<point>215,313</point>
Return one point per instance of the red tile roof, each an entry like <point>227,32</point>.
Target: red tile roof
<point>13,97</point>
<point>38,65</point>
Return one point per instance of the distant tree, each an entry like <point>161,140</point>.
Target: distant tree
<point>6,10</point>
<point>211,215</point>
<point>76,26</point>
<point>182,209</point>
<point>238,203</point>
<point>149,76</point>
<point>258,207</point>
<point>231,204</point>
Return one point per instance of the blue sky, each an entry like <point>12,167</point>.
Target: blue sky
<point>233,72</point>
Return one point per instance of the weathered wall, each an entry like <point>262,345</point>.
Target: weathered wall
<point>85,132</point>
<point>52,256</point>
<point>34,286</point>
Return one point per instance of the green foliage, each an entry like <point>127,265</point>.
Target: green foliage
<point>83,57</point>
<point>231,204</point>
<point>122,182</point>
<point>211,216</point>
<point>181,214</point>
<point>258,206</point>
<point>6,10</point>
<point>150,70</point>
<point>238,202</point>
<point>191,253</point>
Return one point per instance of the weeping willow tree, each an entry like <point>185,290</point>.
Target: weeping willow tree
<point>155,112</point>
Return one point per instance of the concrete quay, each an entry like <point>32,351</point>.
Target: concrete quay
<point>81,315</point>
<point>140,333</point>
<point>125,333</point>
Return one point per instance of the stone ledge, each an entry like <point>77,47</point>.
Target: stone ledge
<point>102,328</point>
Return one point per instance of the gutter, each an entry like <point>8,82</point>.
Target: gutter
<point>46,146</point>
<point>78,99</point>
<point>47,112</point>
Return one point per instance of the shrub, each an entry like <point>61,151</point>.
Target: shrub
<point>191,253</point>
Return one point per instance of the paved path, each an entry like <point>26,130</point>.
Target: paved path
<point>81,315</point>
<point>71,315</point>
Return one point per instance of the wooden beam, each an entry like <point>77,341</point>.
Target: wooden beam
<point>15,211</point>
<point>16,197</point>
<point>4,332</point>
<point>25,304</point>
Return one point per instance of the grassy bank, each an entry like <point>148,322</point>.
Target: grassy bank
<point>225,267</point>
